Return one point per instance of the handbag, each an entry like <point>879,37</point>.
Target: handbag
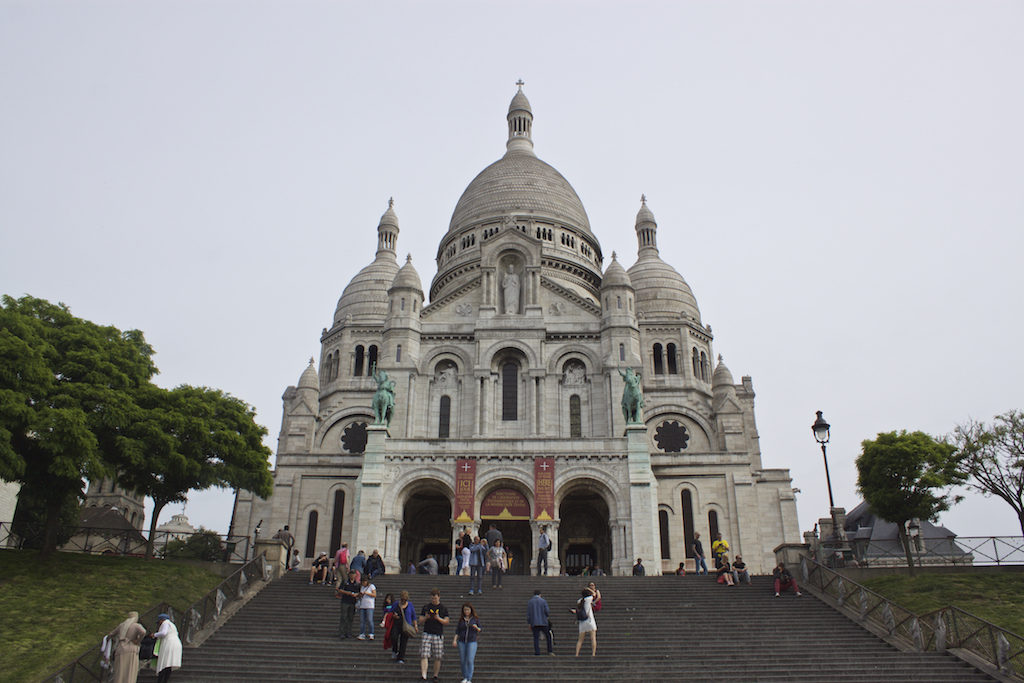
<point>407,628</point>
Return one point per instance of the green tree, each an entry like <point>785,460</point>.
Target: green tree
<point>202,545</point>
<point>29,521</point>
<point>66,391</point>
<point>901,475</point>
<point>191,438</point>
<point>992,458</point>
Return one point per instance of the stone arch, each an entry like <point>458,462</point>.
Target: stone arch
<point>412,481</point>
<point>447,351</point>
<point>591,478</point>
<point>585,530</point>
<point>672,410</point>
<point>568,351</point>
<point>490,356</point>
<point>423,503</point>
<point>331,424</point>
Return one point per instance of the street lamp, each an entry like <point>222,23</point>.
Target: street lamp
<point>837,539</point>
<point>820,429</point>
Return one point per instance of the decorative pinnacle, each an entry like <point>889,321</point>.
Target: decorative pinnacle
<point>520,83</point>
<point>643,199</point>
<point>613,256</point>
<point>719,358</point>
<point>311,360</point>
<point>391,202</point>
<point>408,258</point>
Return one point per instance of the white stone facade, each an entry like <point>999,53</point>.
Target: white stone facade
<point>501,370</point>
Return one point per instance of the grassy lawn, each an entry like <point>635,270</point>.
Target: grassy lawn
<point>998,598</point>
<point>51,611</point>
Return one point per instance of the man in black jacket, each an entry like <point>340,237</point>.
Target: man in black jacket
<point>348,591</point>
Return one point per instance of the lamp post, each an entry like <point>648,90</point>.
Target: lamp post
<point>820,429</point>
<point>837,539</point>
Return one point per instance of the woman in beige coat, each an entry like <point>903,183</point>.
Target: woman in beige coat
<point>126,638</point>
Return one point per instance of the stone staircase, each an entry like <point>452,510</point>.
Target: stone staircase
<point>663,628</point>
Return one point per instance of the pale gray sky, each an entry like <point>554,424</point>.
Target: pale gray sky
<point>839,182</point>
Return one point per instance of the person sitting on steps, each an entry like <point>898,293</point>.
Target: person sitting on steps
<point>784,580</point>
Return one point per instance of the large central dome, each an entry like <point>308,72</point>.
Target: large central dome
<point>519,183</point>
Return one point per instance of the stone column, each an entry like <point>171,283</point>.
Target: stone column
<point>622,548</point>
<point>410,408</point>
<point>392,546</point>
<point>539,404</point>
<point>554,564</point>
<point>643,500</point>
<point>367,530</point>
<point>277,555</point>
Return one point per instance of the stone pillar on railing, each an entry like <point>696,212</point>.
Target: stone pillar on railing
<point>277,555</point>
<point>791,553</point>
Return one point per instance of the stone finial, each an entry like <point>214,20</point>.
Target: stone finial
<point>643,199</point>
<point>613,256</point>
<point>520,83</point>
<point>391,202</point>
<point>408,258</point>
<point>311,360</point>
<point>720,358</point>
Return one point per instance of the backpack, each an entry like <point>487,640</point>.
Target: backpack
<point>581,612</point>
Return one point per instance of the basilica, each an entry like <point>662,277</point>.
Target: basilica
<point>508,379</point>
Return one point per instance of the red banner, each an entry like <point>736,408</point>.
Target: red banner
<point>465,490</point>
<point>505,504</point>
<point>544,488</point>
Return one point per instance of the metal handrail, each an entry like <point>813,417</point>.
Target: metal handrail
<point>132,542</point>
<point>91,666</point>
<point>949,627</point>
<point>971,551</point>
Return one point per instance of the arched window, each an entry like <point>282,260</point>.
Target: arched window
<point>704,366</point>
<point>622,352</point>
<point>618,302</point>
<point>659,362</point>
<point>575,421</point>
<point>696,364</point>
<point>398,353</point>
<point>688,522</point>
<point>712,524</point>
<point>335,365</point>
<point>311,534</point>
<point>336,519</point>
<point>371,359</point>
<point>444,420</point>
<point>666,547</point>
<point>357,370</point>
<point>670,353</point>
<point>509,391</point>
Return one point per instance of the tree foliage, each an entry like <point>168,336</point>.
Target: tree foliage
<point>901,476</point>
<point>77,402</point>
<point>202,545</point>
<point>66,388</point>
<point>991,458</point>
<point>191,438</point>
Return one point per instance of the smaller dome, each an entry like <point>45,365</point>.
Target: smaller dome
<point>615,275</point>
<point>722,377</point>
<point>660,290</point>
<point>519,102</point>
<point>407,277</point>
<point>389,217</point>
<point>309,378</point>
<point>644,216</point>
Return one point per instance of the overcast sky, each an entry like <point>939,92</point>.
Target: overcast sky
<point>840,183</point>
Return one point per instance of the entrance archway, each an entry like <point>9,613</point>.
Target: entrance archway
<point>584,537</point>
<point>426,530</point>
<point>509,511</point>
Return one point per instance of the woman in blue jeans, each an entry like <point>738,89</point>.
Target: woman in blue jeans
<point>467,631</point>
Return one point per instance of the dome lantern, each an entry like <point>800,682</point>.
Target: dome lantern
<point>387,229</point>
<point>646,229</point>
<point>520,123</point>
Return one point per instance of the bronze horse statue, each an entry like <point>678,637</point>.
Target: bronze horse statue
<point>632,399</point>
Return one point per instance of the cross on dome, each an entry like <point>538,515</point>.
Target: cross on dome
<point>520,83</point>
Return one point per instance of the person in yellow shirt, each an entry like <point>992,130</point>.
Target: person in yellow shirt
<point>718,548</point>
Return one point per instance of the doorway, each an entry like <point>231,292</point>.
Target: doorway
<point>584,537</point>
<point>426,530</point>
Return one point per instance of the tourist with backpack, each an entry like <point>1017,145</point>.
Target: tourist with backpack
<point>584,612</point>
